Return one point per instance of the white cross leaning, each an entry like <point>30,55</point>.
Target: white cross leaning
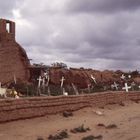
<point>133,84</point>
<point>48,79</point>
<point>45,75</point>
<point>15,79</point>
<point>115,85</point>
<point>126,87</point>
<point>39,81</point>
<point>75,89</point>
<point>123,77</point>
<point>94,79</point>
<point>62,81</point>
<point>43,81</point>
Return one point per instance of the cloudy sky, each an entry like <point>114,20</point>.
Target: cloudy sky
<point>98,34</point>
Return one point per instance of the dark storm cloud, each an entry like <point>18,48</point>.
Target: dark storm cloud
<point>102,5</point>
<point>6,7</point>
<point>102,34</point>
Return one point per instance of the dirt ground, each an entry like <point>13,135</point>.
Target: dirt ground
<point>127,119</point>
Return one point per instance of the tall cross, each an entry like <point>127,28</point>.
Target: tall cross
<point>43,81</point>
<point>39,81</point>
<point>126,87</point>
<point>62,81</point>
<point>45,75</point>
<point>94,79</point>
<point>75,89</point>
<point>89,87</point>
<point>15,80</point>
<point>48,79</point>
<point>133,85</point>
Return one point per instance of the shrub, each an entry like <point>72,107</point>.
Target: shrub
<point>80,129</point>
<point>40,138</point>
<point>63,134</point>
<point>91,137</point>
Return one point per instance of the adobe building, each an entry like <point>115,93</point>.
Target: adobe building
<point>13,58</point>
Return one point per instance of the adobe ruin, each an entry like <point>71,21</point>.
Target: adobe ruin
<point>13,58</point>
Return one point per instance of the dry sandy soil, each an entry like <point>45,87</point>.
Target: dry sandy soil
<point>127,119</point>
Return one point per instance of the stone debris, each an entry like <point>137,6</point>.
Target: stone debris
<point>98,112</point>
<point>60,136</point>
<point>110,126</point>
<point>67,114</point>
<point>91,137</point>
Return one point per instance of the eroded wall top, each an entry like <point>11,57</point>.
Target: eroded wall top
<point>7,30</point>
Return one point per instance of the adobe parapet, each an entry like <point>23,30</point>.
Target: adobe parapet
<point>7,30</point>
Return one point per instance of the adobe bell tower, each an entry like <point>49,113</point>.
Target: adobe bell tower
<point>13,58</point>
<point>7,30</point>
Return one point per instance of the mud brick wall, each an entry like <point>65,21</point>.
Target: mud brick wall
<point>15,109</point>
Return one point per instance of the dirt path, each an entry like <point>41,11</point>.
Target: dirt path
<point>127,119</point>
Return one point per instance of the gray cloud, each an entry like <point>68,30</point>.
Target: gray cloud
<point>103,5</point>
<point>7,6</point>
<point>83,33</point>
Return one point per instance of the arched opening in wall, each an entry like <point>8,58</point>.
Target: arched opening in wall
<point>8,27</point>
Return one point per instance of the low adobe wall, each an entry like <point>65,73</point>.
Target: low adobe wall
<point>15,109</point>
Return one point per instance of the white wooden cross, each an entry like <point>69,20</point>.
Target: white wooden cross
<point>45,75</point>
<point>94,79</point>
<point>133,85</point>
<point>48,79</point>
<point>123,76</point>
<point>15,80</point>
<point>43,81</point>
<point>39,81</point>
<point>75,89</point>
<point>62,81</point>
<point>115,85</point>
<point>89,87</point>
<point>126,87</point>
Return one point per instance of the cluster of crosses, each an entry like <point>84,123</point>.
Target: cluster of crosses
<point>126,87</point>
<point>42,79</point>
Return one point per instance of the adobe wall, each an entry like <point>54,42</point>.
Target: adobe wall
<point>15,109</point>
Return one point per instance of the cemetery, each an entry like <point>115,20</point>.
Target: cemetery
<point>29,91</point>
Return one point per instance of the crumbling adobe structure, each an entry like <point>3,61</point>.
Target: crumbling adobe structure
<point>13,58</point>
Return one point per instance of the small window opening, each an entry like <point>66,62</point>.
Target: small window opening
<point>8,27</point>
